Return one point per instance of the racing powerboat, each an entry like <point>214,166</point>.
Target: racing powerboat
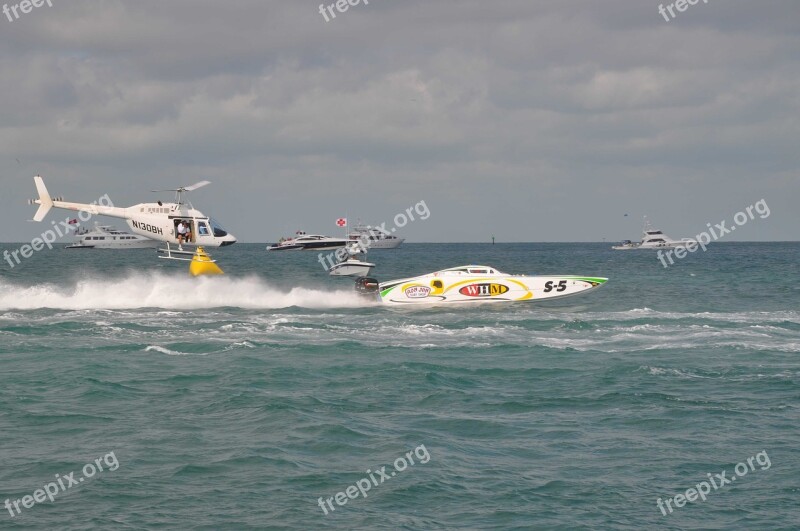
<point>475,283</point>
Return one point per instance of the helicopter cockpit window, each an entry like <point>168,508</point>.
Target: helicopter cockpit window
<point>219,232</point>
<point>202,228</point>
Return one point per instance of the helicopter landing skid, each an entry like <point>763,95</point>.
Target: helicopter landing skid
<point>170,252</point>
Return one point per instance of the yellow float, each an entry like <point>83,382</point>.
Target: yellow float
<point>202,264</point>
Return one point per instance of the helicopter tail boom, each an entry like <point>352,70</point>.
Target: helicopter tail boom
<point>102,207</point>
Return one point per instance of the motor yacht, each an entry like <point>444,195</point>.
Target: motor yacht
<point>374,237</point>
<point>308,242</point>
<point>653,239</point>
<point>109,237</point>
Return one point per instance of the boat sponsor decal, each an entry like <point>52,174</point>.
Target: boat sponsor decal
<point>483,290</point>
<point>417,292</point>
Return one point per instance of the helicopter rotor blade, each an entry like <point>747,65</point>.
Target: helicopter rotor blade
<point>195,186</point>
<point>170,190</point>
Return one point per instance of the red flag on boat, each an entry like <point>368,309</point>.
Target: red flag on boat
<point>342,222</point>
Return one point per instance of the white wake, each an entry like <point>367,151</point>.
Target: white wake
<point>158,290</point>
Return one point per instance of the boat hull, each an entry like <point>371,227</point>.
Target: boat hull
<point>278,247</point>
<point>319,245</point>
<point>671,245</point>
<point>386,244</point>
<point>116,245</point>
<point>383,243</point>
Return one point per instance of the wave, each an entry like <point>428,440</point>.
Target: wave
<point>159,290</point>
<point>169,352</point>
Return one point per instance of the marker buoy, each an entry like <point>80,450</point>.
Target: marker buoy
<point>202,264</point>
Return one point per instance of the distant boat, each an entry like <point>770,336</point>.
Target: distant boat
<point>308,242</point>
<point>653,239</point>
<point>352,266</point>
<point>108,237</point>
<point>374,237</point>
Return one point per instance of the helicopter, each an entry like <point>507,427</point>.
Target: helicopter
<point>158,221</point>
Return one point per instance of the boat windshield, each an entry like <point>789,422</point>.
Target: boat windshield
<point>219,232</point>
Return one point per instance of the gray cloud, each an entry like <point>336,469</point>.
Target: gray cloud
<point>535,121</point>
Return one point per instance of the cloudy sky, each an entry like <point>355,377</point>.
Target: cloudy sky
<point>530,120</point>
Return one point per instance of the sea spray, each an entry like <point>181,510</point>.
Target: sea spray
<point>172,292</point>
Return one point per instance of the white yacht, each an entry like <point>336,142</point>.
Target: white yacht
<point>653,239</point>
<point>374,237</point>
<point>307,242</point>
<point>108,237</point>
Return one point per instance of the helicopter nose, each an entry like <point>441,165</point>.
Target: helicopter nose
<point>230,239</point>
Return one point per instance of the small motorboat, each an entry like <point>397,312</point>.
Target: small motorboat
<point>351,266</point>
<point>624,245</point>
<point>475,283</point>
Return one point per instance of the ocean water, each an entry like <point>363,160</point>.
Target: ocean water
<point>238,402</point>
